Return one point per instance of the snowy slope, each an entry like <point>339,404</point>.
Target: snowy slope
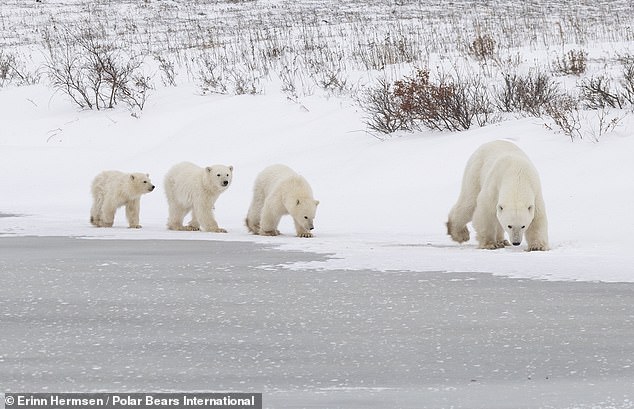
<point>383,202</point>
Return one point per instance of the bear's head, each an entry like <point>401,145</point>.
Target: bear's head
<point>515,220</point>
<point>303,212</point>
<point>219,176</point>
<point>141,183</point>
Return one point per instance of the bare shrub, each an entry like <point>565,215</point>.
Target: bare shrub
<point>572,63</point>
<point>13,72</point>
<point>597,93</point>
<point>212,77</point>
<point>95,75</point>
<point>168,74</point>
<point>530,93</point>
<point>135,92</point>
<point>604,122</point>
<point>218,76</point>
<point>579,124</point>
<point>482,47</point>
<point>7,72</point>
<point>564,111</point>
<point>376,52</point>
<point>451,104</point>
<point>384,109</point>
<point>627,83</point>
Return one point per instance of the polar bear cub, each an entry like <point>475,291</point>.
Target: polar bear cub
<point>278,191</point>
<point>501,192</point>
<point>112,189</point>
<point>190,188</point>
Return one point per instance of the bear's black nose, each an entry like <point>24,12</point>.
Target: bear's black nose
<point>225,183</point>
<point>516,243</point>
<point>152,188</point>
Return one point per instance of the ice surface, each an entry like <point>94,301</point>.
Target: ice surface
<point>161,315</point>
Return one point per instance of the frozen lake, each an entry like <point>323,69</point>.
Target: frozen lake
<point>144,315</point>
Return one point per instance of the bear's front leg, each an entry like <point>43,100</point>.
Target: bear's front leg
<point>269,222</point>
<point>501,242</point>
<point>537,246</point>
<point>301,231</point>
<point>205,216</point>
<point>486,230</point>
<point>537,232</point>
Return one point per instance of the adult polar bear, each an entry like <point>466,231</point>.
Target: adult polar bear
<point>500,192</point>
<point>278,190</point>
<point>191,188</point>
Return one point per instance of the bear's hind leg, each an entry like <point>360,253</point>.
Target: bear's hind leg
<point>255,211</point>
<point>132,209</point>
<point>462,212</point>
<point>108,211</point>
<point>252,225</point>
<point>193,224</point>
<point>95,211</point>
<point>459,216</point>
<point>176,216</point>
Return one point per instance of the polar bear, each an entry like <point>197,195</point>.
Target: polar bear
<point>501,192</point>
<point>278,191</point>
<point>189,187</point>
<point>112,189</point>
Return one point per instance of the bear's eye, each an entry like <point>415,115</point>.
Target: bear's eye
<point>306,217</point>
<point>218,175</point>
<point>509,226</point>
<point>523,227</point>
<point>145,181</point>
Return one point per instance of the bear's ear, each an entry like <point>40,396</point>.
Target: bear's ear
<point>147,174</point>
<point>208,169</point>
<point>131,177</point>
<point>316,202</point>
<point>500,208</point>
<point>231,168</point>
<point>530,208</point>
<point>297,204</point>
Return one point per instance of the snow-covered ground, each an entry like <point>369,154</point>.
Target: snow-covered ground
<point>383,202</point>
<point>384,199</point>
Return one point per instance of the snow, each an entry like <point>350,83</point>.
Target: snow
<point>380,309</point>
<point>384,201</point>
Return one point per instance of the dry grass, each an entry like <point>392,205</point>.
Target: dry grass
<point>333,47</point>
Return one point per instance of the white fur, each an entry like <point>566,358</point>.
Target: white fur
<point>501,192</point>
<point>112,189</point>
<point>278,191</point>
<point>191,188</point>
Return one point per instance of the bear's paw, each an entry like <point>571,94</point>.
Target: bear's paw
<point>459,235</point>
<point>537,247</point>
